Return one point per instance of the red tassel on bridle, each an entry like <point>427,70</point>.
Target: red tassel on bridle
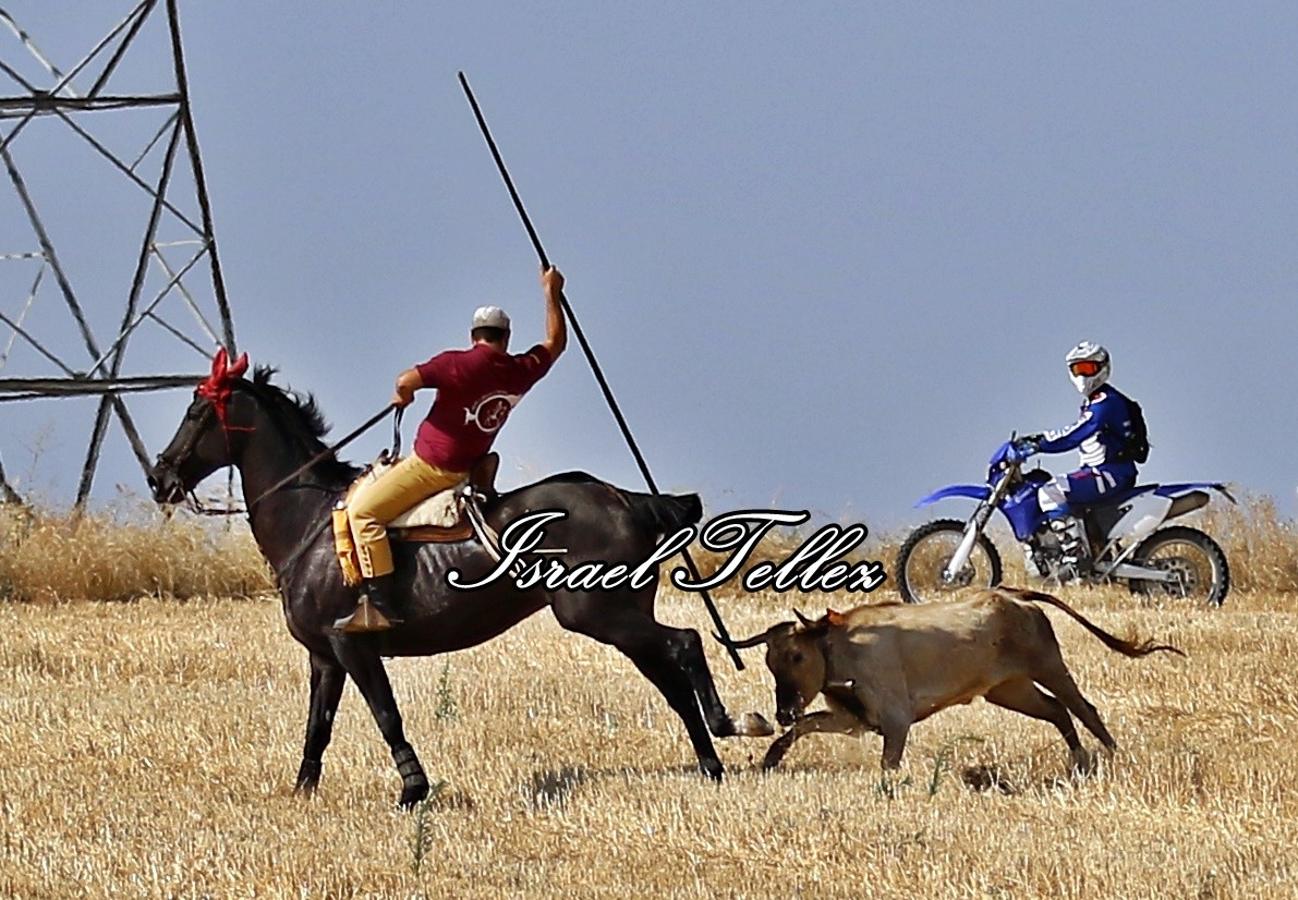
<point>219,387</point>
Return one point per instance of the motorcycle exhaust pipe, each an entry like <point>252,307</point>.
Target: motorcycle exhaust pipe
<point>1187,503</point>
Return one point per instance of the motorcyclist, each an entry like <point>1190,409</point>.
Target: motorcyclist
<point>1104,434</point>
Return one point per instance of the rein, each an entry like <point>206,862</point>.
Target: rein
<point>285,568</point>
<point>334,448</point>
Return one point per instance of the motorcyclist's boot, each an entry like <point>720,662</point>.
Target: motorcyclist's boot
<point>1076,562</point>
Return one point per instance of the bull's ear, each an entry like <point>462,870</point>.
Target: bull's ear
<point>835,618</point>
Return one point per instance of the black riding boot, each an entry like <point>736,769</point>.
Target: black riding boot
<point>374,612</point>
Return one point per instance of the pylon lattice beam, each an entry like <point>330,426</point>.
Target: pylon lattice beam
<point>62,100</point>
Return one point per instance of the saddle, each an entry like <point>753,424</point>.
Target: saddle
<point>440,519</point>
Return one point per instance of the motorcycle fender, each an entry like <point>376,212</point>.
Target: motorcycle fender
<point>972,491</point>
<point>1175,490</point>
<point>1143,516</point>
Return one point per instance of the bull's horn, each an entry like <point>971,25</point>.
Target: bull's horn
<point>754,641</point>
<point>806,623</point>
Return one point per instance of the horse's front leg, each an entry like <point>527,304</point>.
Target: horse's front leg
<point>359,657</point>
<point>327,680</point>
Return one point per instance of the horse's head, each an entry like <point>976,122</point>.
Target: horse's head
<point>210,433</point>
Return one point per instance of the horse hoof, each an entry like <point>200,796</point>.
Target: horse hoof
<point>753,724</point>
<point>412,795</point>
<point>712,768</point>
<point>308,778</point>
<point>1084,763</point>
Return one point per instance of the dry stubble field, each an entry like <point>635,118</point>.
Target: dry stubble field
<point>148,748</point>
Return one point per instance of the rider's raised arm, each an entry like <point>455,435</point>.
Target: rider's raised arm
<point>556,327</point>
<point>1070,438</point>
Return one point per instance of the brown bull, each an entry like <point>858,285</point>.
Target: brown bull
<point>884,667</point>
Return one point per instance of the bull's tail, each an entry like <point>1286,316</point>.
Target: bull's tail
<point>1127,648</point>
<point>664,514</point>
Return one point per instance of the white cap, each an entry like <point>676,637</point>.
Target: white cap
<point>490,317</point>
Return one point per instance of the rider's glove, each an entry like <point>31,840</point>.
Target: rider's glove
<point>1025,447</point>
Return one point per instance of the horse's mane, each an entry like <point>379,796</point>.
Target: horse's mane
<point>302,421</point>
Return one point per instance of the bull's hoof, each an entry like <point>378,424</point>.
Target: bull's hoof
<point>364,618</point>
<point>753,724</point>
<point>712,768</point>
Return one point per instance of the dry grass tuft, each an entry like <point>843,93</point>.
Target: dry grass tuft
<point>134,550</point>
<point>1262,545</point>
<point>123,553</point>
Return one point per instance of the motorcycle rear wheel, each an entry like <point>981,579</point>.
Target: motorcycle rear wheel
<point>1197,558</point>
<point>925,553</point>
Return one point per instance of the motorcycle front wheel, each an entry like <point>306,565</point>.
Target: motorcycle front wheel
<point>925,554</point>
<point>1203,575</point>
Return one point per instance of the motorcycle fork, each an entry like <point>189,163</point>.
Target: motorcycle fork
<point>964,550</point>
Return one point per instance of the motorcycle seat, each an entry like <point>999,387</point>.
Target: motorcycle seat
<point>1112,499</point>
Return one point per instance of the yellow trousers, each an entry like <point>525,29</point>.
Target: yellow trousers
<point>376,504</point>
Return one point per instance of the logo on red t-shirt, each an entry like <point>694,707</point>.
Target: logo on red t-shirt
<point>490,412</point>
<point>476,391</point>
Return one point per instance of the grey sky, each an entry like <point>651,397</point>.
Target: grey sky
<point>829,254</point>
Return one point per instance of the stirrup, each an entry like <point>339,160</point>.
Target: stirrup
<point>365,618</point>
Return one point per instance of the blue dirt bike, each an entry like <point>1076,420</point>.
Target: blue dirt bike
<point>1127,541</point>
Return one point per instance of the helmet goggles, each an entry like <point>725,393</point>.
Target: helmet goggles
<point>1085,367</point>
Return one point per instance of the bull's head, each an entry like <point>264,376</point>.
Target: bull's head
<point>795,654</point>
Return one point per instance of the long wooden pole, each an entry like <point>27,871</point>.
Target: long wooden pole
<point>594,363</point>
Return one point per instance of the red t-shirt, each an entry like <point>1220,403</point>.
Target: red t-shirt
<point>476,390</point>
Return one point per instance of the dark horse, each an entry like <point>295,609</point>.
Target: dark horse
<point>267,433</point>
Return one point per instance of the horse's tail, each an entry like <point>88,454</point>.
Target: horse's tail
<point>664,514</point>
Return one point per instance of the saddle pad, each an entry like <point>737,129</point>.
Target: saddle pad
<point>442,510</point>
<point>429,534</point>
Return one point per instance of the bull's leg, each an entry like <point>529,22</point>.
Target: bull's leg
<point>1060,683</point>
<point>1022,696</point>
<point>895,729</point>
<point>826,722</point>
<point>363,664</point>
<point>648,645</point>
<point>327,680</point>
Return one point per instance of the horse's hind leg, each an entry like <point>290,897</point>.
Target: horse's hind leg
<point>687,650</point>
<point>327,680</point>
<point>649,646</point>
<point>363,664</point>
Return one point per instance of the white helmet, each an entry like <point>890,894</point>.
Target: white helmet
<point>1088,367</point>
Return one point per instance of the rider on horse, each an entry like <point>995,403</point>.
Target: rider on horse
<point>476,390</point>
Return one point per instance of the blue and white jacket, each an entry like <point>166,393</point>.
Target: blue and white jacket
<point>1100,432</point>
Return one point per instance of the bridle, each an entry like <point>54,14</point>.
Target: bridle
<point>217,390</point>
<point>186,449</point>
